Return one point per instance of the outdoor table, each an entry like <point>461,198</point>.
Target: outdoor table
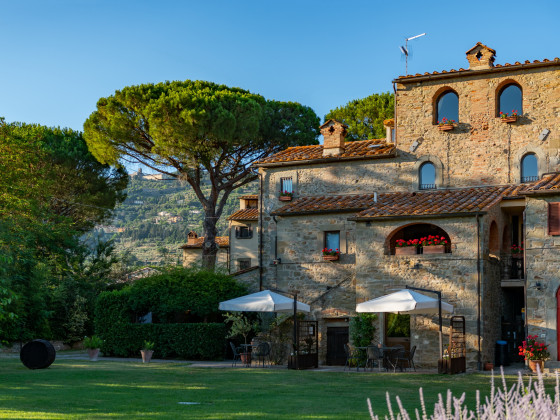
<point>248,348</point>
<point>389,354</point>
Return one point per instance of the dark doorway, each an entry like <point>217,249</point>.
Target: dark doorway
<point>513,324</point>
<point>337,337</point>
<point>397,330</point>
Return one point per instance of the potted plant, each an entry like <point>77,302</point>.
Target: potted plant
<point>433,244</point>
<point>446,125</point>
<point>403,247</point>
<point>241,326</point>
<point>147,351</point>
<point>330,254</point>
<point>517,250</point>
<point>286,195</point>
<point>93,344</point>
<point>533,351</point>
<point>509,117</point>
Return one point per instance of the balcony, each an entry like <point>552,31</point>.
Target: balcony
<point>512,271</point>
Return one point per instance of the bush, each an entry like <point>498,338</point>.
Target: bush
<point>185,341</point>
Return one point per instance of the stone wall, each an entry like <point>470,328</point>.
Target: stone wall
<point>481,149</point>
<point>193,257</point>
<point>542,266</point>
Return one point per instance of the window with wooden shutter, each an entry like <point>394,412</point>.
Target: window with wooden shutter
<point>554,218</point>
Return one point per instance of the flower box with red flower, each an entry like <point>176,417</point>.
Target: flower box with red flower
<point>406,247</point>
<point>534,351</point>
<point>433,244</point>
<point>517,251</point>
<point>446,125</point>
<point>286,196</point>
<point>330,254</point>
<point>509,117</point>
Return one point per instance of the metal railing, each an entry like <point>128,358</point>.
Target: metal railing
<point>428,186</point>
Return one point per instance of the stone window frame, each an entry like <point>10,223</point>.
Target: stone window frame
<point>500,88</point>
<point>339,238</point>
<point>390,238</point>
<point>434,160</point>
<point>247,229</point>
<point>435,99</point>
<point>541,162</point>
<point>276,184</point>
<point>243,263</point>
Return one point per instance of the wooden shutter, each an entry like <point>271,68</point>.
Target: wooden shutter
<point>554,218</point>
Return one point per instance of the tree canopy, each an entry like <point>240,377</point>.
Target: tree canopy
<point>187,129</point>
<point>52,190</point>
<point>364,117</point>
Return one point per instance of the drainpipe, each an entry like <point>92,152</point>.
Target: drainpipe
<point>478,273</point>
<point>524,237</point>
<point>260,231</point>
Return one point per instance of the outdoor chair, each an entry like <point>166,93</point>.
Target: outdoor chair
<point>236,355</point>
<point>351,357</point>
<point>262,352</point>
<point>374,356</point>
<point>394,358</point>
<point>409,358</point>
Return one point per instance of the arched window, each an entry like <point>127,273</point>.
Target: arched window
<point>417,232</point>
<point>494,241</point>
<point>529,168</point>
<point>510,100</point>
<point>427,176</point>
<point>447,107</point>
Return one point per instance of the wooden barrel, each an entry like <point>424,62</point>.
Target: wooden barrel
<point>37,354</point>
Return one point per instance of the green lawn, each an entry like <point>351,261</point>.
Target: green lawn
<point>72,389</point>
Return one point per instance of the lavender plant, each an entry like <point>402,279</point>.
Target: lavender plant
<point>519,402</point>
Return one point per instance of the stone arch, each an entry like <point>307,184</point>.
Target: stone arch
<point>494,238</point>
<point>415,231</point>
<point>498,92</point>
<point>436,162</point>
<point>541,161</point>
<point>437,95</point>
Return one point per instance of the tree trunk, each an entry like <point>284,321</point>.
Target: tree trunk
<point>209,246</point>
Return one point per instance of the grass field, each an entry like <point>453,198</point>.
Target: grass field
<point>71,389</point>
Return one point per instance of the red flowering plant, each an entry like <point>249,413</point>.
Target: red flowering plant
<point>332,252</point>
<point>533,350</point>
<point>400,243</point>
<point>286,193</point>
<point>445,121</point>
<point>433,240</point>
<point>513,113</point>
<point>517,249</point>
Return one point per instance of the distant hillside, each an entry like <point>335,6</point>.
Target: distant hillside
<point>156,217</point>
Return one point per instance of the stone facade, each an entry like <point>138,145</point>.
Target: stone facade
<point>478,274</point>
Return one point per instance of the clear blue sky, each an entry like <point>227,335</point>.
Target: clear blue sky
<point>59,57</point>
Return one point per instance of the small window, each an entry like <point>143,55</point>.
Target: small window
<point>510,100</point>
<point>243,263</point>
<point>332,240</point>
<point>286,185</point>
<point>251,204</point>
<point>554,218</point>
<point>448,107</point>
<point>427,176</point>
<point>529,168</point>
<point>243,232</point>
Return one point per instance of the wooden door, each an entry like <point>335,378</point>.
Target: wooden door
<point>337,337</point>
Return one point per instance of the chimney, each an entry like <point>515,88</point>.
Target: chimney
<point>191,238</point>
<point>333,133</point>
<point>481,57</point>
<point>389,127</point>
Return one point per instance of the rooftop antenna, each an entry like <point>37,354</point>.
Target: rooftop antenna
<point>404,49</point>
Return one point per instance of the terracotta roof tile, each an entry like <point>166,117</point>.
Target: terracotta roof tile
<point>548,184</point>
<point>245,214</point>
<point>222,241</point>
<point>326,204</point>
<point>353,149</point>
<point>250,197</point>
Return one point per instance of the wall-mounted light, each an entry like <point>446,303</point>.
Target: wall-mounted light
<point>539,286</point>
<point>277,261</point>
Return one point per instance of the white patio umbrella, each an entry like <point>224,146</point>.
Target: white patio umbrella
<point>407,301</point>
<point>264,301</point>
<point>404,301</point>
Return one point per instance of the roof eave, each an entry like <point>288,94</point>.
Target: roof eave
<point>304,213</point>
<point>323,160</point>
<point>415,216</point>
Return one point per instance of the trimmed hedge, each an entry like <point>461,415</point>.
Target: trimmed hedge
<point>185,341</point>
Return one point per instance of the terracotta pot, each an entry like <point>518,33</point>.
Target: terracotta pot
<point>405,250</point>
<point>146,355</point>
<point>330,257</point>
<point>534,363</point>
<point>93,354</point>
<point>446,127</point>
<point>509,119</point>
<point>285,198</point>
<point>246,358</point>
<point>433,249</point>
<point>488,366</point>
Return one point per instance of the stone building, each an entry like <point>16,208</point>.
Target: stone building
<point>192,250</point>
<point>472,156</point>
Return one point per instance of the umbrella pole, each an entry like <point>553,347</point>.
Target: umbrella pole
<point>296,332</point>
<point>438,293</point>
